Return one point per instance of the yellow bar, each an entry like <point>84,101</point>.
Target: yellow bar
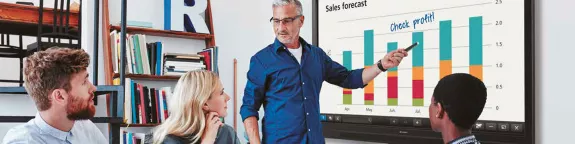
<point>391,73</point>
<point>444,68</point>
<point>417,73</point>
<point>477,71</point>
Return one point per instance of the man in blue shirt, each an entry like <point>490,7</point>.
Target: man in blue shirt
<point>57,81</point>
<point>286,78</point>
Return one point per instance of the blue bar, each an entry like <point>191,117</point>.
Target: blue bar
<point>445,44</point>
<point>347,59</point>
<point>391,46</point>
<point>368,47</point>
<point>417,50</point>
<point>476,40</point>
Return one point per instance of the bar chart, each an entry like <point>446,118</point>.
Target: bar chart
<point>453,36</point>
<point>417,56</point>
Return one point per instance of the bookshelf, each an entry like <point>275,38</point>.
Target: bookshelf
<point>110,74</point>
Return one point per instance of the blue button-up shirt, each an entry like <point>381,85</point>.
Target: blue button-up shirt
<point>289,91</point>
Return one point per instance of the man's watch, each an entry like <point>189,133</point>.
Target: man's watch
<point>380,66</point>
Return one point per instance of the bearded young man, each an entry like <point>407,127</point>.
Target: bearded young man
<point>57,81</point>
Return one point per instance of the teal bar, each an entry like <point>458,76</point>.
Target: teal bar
<point>417,50</point>
<point>391,46</point>
<point>368,47</point>
<point>347,59</point>
<point>476,40</point>
<point>445,44</point>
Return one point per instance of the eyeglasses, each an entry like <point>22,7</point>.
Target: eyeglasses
<point>285,21</point>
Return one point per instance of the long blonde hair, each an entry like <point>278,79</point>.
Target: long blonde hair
<point>187,118</point>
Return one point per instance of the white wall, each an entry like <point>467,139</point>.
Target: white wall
<point>554,47</point>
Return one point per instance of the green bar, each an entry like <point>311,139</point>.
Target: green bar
<point>347,59</point>
<point>391,46</point>
<point>368,47</point>
<point>445,44</point>
<point>417,50</point>
<point>417,102</point>
<point>346,99</point>
<point>476,40</point>
<point>392,101</point>
<point>368,102</point>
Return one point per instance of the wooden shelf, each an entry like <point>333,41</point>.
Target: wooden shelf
<point>148,77</point>
<point>157,32</point>
<point>139,125</point>
<point>22,19</point>
<point>20,13</point>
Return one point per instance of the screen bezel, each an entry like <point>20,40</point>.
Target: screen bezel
<point>393,134</point>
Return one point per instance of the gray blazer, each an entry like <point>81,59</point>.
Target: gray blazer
<point>226,135</point>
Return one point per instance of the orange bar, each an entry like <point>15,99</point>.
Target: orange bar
<point>392,74</point>
<point>445,67</point>
<point>369,88</point>
<point>477,71</point>
<point>417,73</point>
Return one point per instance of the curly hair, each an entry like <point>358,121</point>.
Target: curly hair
<point>51,69</point>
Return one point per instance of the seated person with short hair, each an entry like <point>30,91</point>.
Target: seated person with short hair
<point>57,81</point>
<point>457,103</point>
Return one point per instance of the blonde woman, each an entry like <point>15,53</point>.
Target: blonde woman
<point>195,109</point>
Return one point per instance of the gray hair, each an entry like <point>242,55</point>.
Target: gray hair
<point>277,3</point>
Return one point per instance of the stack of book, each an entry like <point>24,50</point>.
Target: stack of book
<point>142,57</point>
<point>145,105</point>
<point>210,58</point>
<point>148,58</point>
<point>179,63</point>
